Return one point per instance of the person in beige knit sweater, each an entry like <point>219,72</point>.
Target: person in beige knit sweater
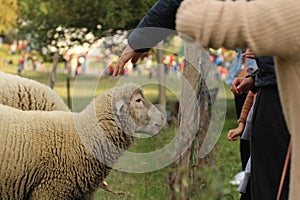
<point>269,27</point>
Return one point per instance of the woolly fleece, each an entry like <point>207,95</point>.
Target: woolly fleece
<point>26,94</point>
<point>61,155</point>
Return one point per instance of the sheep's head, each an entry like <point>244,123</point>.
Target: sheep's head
<point>118,114</point>
<point>137,110</point>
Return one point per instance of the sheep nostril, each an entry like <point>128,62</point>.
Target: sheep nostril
<point>158,124</point>
<point>161,122</point>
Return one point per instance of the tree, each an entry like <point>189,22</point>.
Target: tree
<point>194,105</point>
<point>8,15</point>
<point>54,26</point>
<point>50,22</point>
<point>162,99</point>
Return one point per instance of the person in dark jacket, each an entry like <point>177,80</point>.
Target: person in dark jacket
<point>269,135</point>
<point>158,23</point>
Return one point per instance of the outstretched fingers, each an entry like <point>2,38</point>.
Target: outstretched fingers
<point>120,64</point>
<point>128,54</point>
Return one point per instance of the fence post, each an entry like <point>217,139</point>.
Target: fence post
<point>183,180</point>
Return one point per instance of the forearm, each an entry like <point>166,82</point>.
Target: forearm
<point>267,27</point>
<point>246,107</point>
<point>155,26</point>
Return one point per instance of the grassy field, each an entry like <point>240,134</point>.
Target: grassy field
<point>150,185</point>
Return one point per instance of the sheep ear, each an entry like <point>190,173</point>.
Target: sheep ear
<point>120,106</point>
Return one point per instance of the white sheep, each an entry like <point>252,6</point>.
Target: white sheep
<point>26,94</point>
<point>65,155</point>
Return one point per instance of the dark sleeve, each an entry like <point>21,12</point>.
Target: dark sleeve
<point>266,76</point>
<point>155,26</point>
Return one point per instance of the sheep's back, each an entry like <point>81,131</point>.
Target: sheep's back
<point>26,94</point>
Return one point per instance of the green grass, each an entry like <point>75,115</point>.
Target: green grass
<point>151,185</point>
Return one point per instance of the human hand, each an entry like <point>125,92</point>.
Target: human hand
<point>127,54</point>
<point>234,133</point>
<point>241,84</point>
<point>249,54</point>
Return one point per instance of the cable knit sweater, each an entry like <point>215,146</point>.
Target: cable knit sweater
<point>268,27</point>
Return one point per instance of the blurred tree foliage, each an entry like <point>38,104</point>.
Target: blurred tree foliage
<point>8,15</point>
<point>62,24</point>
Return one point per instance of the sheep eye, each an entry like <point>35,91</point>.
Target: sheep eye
<point>138,100</point>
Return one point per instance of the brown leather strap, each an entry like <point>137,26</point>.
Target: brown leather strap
<point>285,168</point>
